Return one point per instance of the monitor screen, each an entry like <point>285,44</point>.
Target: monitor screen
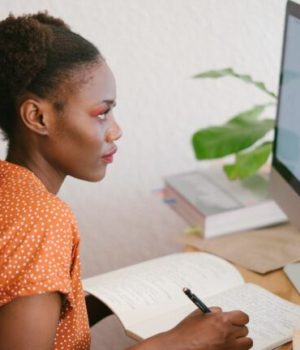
<point>285,174</point>
<point>287,140</point>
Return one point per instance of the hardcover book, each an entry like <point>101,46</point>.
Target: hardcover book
<point>208,200</point>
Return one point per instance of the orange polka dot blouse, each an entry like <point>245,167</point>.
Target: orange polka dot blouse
<point>39,251</point>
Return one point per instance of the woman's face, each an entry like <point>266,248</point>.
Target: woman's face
<point>82,140</point>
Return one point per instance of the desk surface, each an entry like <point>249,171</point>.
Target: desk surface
<point>276,282</point>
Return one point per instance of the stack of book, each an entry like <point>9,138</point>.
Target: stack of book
<point>207,199</point>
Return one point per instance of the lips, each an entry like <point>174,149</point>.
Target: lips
<point>109,157</point>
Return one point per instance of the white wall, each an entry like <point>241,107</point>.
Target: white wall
<point>154,47</point>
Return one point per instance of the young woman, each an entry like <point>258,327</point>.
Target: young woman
<point>57,95</point>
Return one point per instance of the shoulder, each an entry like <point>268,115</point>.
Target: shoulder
<point>22,194</point>
<point>32,214</point>
<point>32,217</point>
<point>44,205</point>
<point>33,204</point>
<point>38,237</point>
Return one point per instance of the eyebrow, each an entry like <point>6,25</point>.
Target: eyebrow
<point>113,103</point>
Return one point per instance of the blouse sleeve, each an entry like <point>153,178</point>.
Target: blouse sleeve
<point>36,254</point>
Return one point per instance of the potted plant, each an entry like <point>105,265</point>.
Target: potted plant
<point>243,135</point>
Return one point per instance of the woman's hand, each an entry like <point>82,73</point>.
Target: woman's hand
<point>213,331</point>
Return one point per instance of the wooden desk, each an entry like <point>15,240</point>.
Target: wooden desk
<point>276,282</point>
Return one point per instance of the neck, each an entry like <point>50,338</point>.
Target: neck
<point>35,162</point>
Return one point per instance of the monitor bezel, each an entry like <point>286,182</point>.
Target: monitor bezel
<point>292,9</point>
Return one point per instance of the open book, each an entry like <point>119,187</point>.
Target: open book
<point>148,297</point>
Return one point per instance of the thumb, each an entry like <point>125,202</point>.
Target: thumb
<point>215,309</point>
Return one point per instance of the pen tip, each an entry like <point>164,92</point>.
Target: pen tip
<point>185,289</point>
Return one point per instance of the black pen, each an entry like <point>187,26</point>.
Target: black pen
<point>196,301</point>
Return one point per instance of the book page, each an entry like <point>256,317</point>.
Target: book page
<point>154,287</point>
<point>272,319</point>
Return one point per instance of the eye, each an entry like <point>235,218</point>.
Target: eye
<point>103,115</point>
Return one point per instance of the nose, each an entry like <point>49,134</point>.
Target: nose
<point>114,132</point>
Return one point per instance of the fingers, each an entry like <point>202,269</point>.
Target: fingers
<point>237,318</point>
<point>215,309</point>
<point>240,331</point>
<point>244,343</point>
<point>196,312</point>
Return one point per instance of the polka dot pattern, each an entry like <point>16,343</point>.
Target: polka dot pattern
<point>39,251</point>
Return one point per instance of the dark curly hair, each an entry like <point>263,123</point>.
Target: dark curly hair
<point>38,54</point>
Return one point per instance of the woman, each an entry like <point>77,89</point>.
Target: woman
<point>57,95</point>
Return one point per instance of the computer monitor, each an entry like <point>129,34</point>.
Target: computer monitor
<point>285,172</point>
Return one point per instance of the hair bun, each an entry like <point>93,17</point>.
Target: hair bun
<point>45,18</point>
<point>24,45</point>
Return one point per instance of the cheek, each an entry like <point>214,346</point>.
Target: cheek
<point>88,135</point>
<point>96,136</point>
<point>78,150</point>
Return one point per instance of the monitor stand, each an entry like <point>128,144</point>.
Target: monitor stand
<point>293,273</point>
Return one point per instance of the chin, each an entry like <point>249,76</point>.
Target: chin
<point>97,176</point>
<point>93,176</point>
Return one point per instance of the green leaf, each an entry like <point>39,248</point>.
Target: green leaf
<point>248,115</point>
<point>247,163</point>
<point>214,74</point>
<point>232,137</point>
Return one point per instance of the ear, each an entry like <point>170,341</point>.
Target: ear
<point>33,114</point>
